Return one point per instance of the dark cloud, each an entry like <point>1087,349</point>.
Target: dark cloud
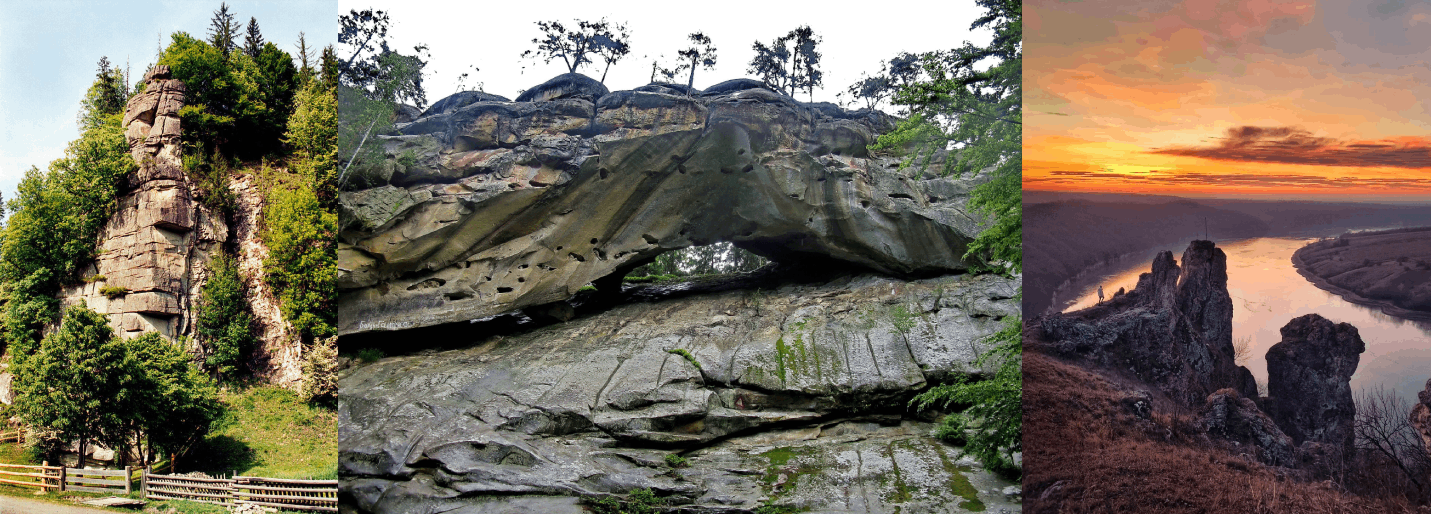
<point>1174,179</point>
<point>1293,145</point>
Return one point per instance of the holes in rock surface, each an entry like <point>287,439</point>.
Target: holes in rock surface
<point>740,151</point>
<point>748,168</point>
<point>504,290</point>
<point>600,254</point>
<point>577,257</point>
<point>559,248</point>
<point>489,279</point>
<point>864,203</point>
<point>901,195</point>
<point>821,179</point>
<point>604,173</point>
<point>459,295</point>
<point>521,279</point>
<point>524,266</point>
<point>681,168</point>
<point>650,239</point>
<point>427,284</point>
<point>795,195</point>
<point>593,240</point>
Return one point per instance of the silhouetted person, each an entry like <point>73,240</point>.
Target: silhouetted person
<point>1100,294</point>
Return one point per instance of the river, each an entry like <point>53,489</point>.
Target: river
<point>1267,292</point>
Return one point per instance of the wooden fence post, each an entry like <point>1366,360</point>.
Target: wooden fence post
<point>128,477</point>
<point>144,481</point>
<point>62,476</point>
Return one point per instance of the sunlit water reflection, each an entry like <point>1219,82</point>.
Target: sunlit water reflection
<point>1267,292</point>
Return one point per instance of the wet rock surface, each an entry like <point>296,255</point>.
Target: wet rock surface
<point>1309,380</point>
<point>484,206</point>
<point>1174,330</point>
<point>787,397</point>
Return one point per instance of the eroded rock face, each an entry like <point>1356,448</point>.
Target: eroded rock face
<point>1174,330</point>
<point>157,246</point>
<point>1309,380</point>
<point>497,206</point>
<point>1421,416</point>
<point>1230,416</point>
<point>774,404</point>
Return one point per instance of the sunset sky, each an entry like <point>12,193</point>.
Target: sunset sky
<point>1305,99</point>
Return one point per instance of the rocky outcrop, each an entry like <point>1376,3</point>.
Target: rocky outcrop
<point>497,206</point>
<point>1421,416</point>
<point>154,252</point>
<point>791,397</point>
<point>1174,330</point>
<point>1229,416</point>
<point>1309,380</point>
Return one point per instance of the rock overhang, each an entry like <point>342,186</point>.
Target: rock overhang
<point>494,206</point>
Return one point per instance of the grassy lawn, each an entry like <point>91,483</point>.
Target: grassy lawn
<point>269,432</point>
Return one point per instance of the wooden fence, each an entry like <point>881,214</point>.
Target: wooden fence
<point>311,495</point>
<point>44,476</point>
<point>111,481</point>
<point>319,495</point>
<point>16,435</point>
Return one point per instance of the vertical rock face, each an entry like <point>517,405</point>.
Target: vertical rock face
<point>1174,330</point>
<point>154,251</point>
<point>1309,380</point>
<point>1421,417</point>
<point>1230,416</point>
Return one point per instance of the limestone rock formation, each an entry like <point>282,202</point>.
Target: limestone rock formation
<point>155,249</point>
<point>1421,416</point>
<point>1229,416</point>
<point>1309,380</point>
<point>497,206</point>
<point>1174,330</point>
<point>790,396</point>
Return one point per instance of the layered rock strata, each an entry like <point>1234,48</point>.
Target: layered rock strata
<point>790,397</point>
<point>154,251</point>
<point>1309,380</point>
<point>485,206</point>
<point>1174,330</point>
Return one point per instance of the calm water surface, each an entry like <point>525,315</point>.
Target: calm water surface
<point>1267,292</point>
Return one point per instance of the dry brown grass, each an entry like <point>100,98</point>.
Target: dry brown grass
<point>1086,453</point>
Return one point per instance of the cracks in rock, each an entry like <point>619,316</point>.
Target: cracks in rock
<point>597,400</point>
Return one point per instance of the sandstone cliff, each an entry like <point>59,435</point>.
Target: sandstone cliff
<point>154,251</point>
<point>792,395</point>
<point>485,206</point>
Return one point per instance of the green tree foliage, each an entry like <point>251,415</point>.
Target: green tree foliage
<point>69,385</point>
<point>168,404</point>
<point>222,30</point>
<point>717,258</point>
<point>373,80</point>
<point>86,384</point>
<point>301,263</point>
<point>320,371</point>
<point>105,97</point>
<point>978,113</point>
<point>55,218</point>
<point>992,429</point>
<point>224,324</point>
<point>313,136</point>
<point>235,104</point>
<point>790,63</point>
<point>253,40</point>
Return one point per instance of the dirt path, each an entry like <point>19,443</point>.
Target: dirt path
<point>13,505</point>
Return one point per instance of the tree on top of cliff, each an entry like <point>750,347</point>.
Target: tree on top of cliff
<point>790,63</point>
<point>106,97</point>
<point>382,73</point>
<point>575,47</point>
<point>222,30</point>
<point>701,54</point>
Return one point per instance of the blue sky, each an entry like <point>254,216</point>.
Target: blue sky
<point>49,51</point>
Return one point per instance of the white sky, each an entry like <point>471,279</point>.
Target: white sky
<point>49,50</point>
<point>492,36</point>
